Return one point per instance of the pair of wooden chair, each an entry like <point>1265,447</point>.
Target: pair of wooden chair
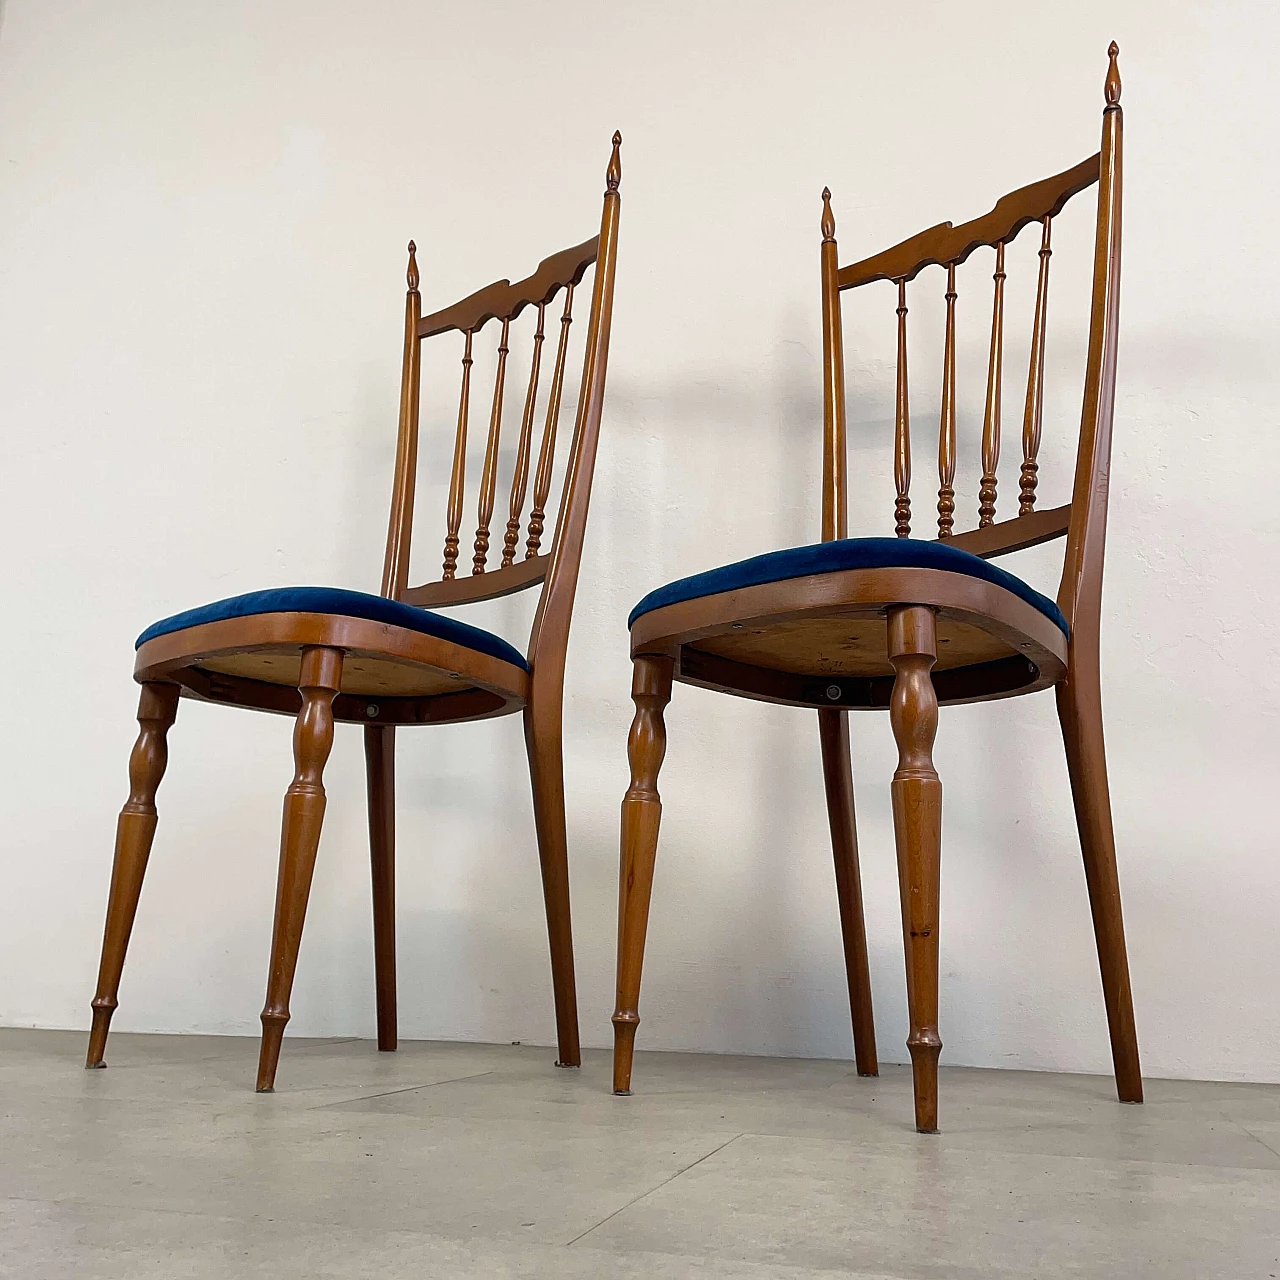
<point>848,623</point>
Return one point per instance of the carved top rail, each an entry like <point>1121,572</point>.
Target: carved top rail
<point>948,245</point>
<point>503,300</point>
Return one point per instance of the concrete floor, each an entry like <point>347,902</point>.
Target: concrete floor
<point>479,1160</point>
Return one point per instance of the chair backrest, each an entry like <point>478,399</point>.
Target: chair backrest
<point>1083,519</point>
<point>557,567</point>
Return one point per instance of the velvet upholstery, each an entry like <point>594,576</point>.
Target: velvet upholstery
<point>349,604</point>
<point>845,553</point>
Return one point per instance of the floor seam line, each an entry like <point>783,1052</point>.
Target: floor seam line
<point>409,1088</point>
<point>1240,1124</point>
<point>652,1189</point>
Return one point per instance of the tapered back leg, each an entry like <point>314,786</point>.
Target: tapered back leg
<point>135,830</point>
<point>542,734</point>
<point>917,827</point>
<point>1080,713</point>
<point>837,772</point>
<point>380,775</point>
<point>304,805</point>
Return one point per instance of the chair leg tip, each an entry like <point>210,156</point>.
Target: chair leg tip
<point>95,1066</point>
<point>869,1075</point>
<point>265,1088</point>
<point>568,1065</point>
<point>622,1093</point>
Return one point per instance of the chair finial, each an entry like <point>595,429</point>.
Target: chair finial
<point>411,275</point>
<point>613,174</point>
<point>828,218</point>
<point>1112,86</point>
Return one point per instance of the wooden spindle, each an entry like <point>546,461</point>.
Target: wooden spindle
<point>547,454</point>
<point>459,474</point>
<point>947,423</point>
<point>520,481</point>
<point>1035,383</point>
<point>991,419</point>
<point>489,476</point>
<point>902,427</point>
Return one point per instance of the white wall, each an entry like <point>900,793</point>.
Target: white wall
<point>204,210</point>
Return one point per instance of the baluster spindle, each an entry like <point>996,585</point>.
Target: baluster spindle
<point>520,481</point>
<point>991,419</point>
<point>489,476</point>
<point>902,427</point>
<point>947,423</point>
<point>547,454</point>
<point>1035,384</point>
<point>459,473</point>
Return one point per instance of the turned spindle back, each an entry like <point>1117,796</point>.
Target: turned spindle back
<point>946,246</point>
<point>497,570</point>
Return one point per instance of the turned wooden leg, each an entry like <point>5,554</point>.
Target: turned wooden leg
<point>380,774</point>
<point>641,813</point>
<point>1080,712</point>
<point>837,772</point>
<point>299,840</point>
<point>542,721</point>
<point>917,828</point>
<point>135,830</point>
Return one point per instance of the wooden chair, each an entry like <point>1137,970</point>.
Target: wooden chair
<point>322,655</point>
<point>907,625</point>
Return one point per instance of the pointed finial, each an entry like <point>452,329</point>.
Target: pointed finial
<point>613,174</point>
<point>1112,87</point>
<point>828,218</point>
<point>411,275</point>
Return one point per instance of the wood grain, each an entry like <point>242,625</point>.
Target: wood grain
<point>1033,415</point>
<point>947,422</point>
<point>991,416</point>
<point>948,244</point>
<point>503,300</point>
<point>901,425</point>
<point>917,828</point>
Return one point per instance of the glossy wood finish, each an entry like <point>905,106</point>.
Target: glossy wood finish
<point>947,424</point>
<point>917,828</point>
<point>837,776</point>
<point>546,456</point>
<point>641,815</point>
<point>1033,415</point>
<point>135,831</point>
<point>520,479</point>
<point>304,805</point>
<point>912,640</point>
<point>395,567</point>
<point>835,462</point>
<point>901,425</point>
<point>380,776</point>
<point>323,669</point>
<point>947,245</point>
<point>489,477</point>
<point>991,418</point>
<point>458,476</point>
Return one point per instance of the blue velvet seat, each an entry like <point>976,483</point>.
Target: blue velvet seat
<point>845,553</point>
<point>350,604</point>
